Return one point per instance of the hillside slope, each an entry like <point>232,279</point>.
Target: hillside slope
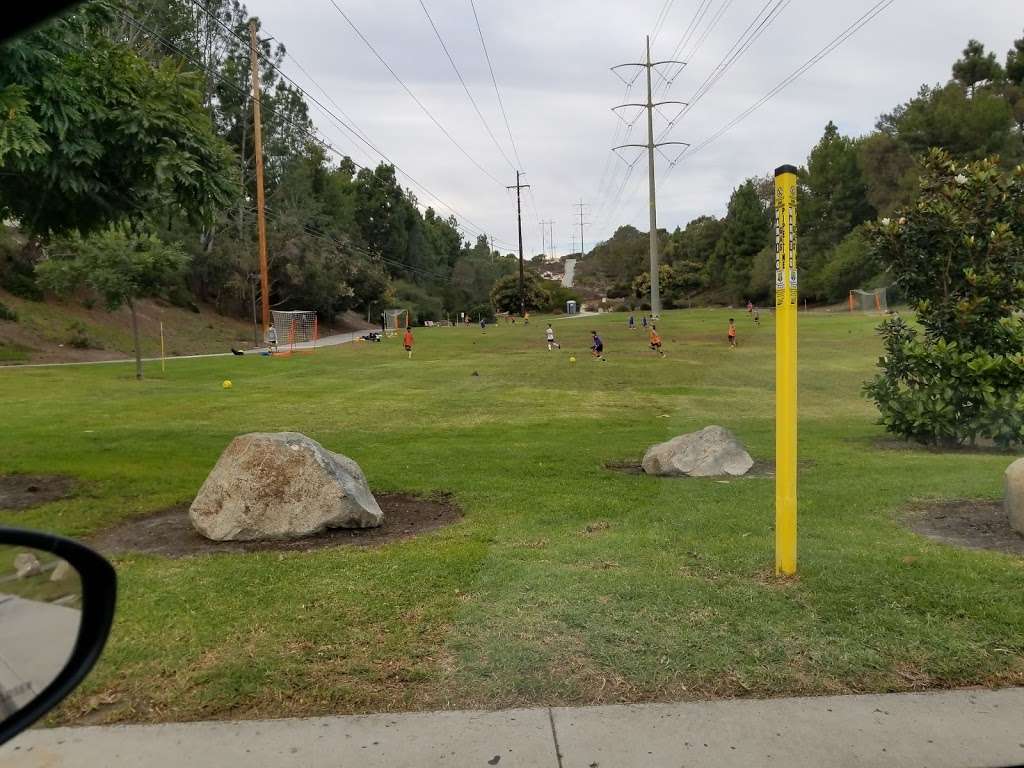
<point>53,331</point>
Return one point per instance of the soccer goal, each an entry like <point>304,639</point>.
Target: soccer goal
<point>395,320</point>
<point>868,301</point>
<point>296,331</point>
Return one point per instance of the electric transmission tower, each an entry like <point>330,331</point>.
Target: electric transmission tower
<point>547,232</point>
<point>650,106</point>
<point>581,212</point>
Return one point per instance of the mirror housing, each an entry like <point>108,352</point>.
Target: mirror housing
<point>99,596</point>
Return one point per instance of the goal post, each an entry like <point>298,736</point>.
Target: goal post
<point>295,331</point>
<point>395,320</point>
<point>869,301</point>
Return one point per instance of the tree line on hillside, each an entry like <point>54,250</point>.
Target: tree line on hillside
<point>126,132</point>
<point>845,184</point>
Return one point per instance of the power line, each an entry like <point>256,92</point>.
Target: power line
<point>412,95</point>
<point>349,126</point>
<point>762,20</point>
<point>660,21</point>
<point>465,87</point>
<point>838,40</point>
<point>494,80</point>
<point>735,53</point>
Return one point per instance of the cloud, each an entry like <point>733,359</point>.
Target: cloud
<point>552,62</point>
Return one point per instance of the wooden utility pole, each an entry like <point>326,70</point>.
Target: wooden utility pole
<point>261,221</point>
<point>518,187</point>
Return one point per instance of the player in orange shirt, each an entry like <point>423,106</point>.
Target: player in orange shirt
<point>656,340</point>
<point>732,333</point>
<point>407,341</point>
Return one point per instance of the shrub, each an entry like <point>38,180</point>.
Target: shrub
<point>6,313</point>
<point>79,336</point>
<point>958,256</point>
<point>935,393</point>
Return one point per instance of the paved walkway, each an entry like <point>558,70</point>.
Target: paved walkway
<point>953,729</point>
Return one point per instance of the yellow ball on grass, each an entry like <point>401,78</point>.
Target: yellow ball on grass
<point>227,384</point>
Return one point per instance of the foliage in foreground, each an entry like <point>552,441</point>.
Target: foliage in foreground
<point>119,265</point>
<point>958,255</point>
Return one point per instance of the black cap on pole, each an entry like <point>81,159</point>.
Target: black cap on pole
<point>785,169</point>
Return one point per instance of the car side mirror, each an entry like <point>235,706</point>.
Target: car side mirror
<point>56,606</point>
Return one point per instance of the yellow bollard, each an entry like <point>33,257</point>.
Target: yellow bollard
<point>785,370</point>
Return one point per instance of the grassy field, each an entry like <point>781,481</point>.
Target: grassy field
<point>565,582</point>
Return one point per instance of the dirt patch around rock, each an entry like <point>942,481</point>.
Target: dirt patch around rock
<point>974,524</point>
<point>24,491</point>
<point>761,469</point>
<point>169,532</point>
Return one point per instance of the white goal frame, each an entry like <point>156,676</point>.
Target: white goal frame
<point>869,301</point>
<point>298,330</point>
<point>393,321</point>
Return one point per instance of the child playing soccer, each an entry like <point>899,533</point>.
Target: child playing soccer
<point>732,333</point>
<point>552,344</point>
<point>407,341</point>
<point>632,322</point>
<point>656,340</point>
<point>597,347</point>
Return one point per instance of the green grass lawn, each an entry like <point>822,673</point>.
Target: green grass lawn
<point>565,582</point>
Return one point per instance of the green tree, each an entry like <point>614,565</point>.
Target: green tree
<point>958,256</point>
<point>505,293</point>
<point>968,128</point>
<point>747,230</point>
<point>120,266</point>
<point>1015,63</point>
<point>123,139</point>
<point>890,172</point>
<point>976,66</point>
<point>696,242</point>
<point>833,200</point>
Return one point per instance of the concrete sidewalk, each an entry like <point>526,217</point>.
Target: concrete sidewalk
<point>954,729</point>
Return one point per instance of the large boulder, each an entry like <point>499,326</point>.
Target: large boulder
<point>281,485</point>
<point>1013,495</point>
<point>712,451</point>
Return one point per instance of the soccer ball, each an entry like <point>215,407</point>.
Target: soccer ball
<point>572,359</point>
<point>227,384</point>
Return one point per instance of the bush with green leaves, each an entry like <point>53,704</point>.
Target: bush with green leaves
<point>958,257</point>
<point>6,313</point>
<point>936,393</point>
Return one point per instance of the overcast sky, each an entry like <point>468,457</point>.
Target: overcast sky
<point>552,59</point>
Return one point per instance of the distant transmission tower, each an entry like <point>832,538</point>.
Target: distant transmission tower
<point>650,106</point>
<point>582,211</point>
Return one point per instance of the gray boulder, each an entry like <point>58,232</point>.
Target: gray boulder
<point>281,485</point>
<point>63,571</point>
<point>713,451</point>
<point>26,564</point>
<point>1013,495</point>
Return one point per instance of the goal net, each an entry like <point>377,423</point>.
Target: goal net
<point>868,301</point>
<point>395,320</point>
<point>295,331</point>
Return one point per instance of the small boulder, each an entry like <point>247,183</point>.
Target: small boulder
<point>710,452</point>
<point>281,485</point>
<point>1013,495</point>
<point>26,564</point>
<point>63,571</point>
